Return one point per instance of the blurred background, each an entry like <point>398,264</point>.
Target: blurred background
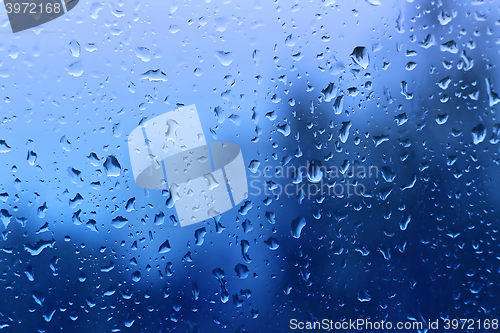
<point>405,87</point>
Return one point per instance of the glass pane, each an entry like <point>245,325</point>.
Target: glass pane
<point>249,166</point>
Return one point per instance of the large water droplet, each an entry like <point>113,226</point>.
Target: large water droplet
<point>450,46</point>
<point>155,75</point>
<point>75,69</point>
<point>492,96</point>
<point>241,271</point>
<point>338,104</point>
<point>329,92</point>
<point>344,131</point>
<point>36,249</point>
<point>4,147</point>
<point>290,40</point>
<point>143,53</point>
<point>314,171</point>
<point>199,235</point>
<point>112,166</point>
<point>272,243</point>
<point>119,222</point>
<point>5,217</point>
<point>136,276</point>
<point>360,56</point>
<point>225,58</point>
<point>74,47</point>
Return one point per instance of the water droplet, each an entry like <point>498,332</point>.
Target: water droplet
<point>119,222</point>
<point>403,223</point>
<point>129,321</point>
<point>165,247</point>
<point>221,24</point>
<point>75,176</point>
<point>108,268</point>
<point>444,83</point>
<point>218,273</point>
<point>173,29</point>
<point>5,217</point>
<point>297,226</point>
<point>441,118</point>
<point>212,183</point>
<point>245,246</point>
<point>41,210</point>
<point>410,66</point>
<point>112,166</point>
<point>360,56</point>
<point>76,200</point>
<point>225,58</point>
<point>450,46</point>
<point>388,174</point>
<point>401,119</point>
<point>245,208</point>
<point>254,166</point>
<point>38,297</point>
<point>492,96</point>
<point>478,134</point>
<point>130,206</point>
<point>94,9</point>
<point>284,129</point>
<point>444,18</point>
<point>198,71</point>
<point>31,157</point>
<point>30,273</point>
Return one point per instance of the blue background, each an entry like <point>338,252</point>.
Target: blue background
<point>78,86</point>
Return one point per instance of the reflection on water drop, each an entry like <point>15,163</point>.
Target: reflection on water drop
<point>119,222</point>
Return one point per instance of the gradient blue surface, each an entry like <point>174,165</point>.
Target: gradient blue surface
<point>84,249</point>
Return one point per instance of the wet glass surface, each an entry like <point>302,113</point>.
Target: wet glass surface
<point>369,138</point>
